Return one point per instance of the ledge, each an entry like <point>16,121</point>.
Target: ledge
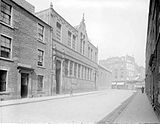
<point>6,59</point>
<point>9,26</point>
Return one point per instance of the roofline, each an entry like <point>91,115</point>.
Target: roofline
<point>63,19</point>
<point>31,14</point>
<point>104,68</point>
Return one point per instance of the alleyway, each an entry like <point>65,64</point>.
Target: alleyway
<point>139,110</point>
<point>84,108</point>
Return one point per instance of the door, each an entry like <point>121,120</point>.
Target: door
<point>24,85</point>
<point>58,73</point>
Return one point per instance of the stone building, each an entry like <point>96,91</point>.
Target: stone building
<point>104,78</point>
<point>41,57</point>
<point>74,56</point>
<point>152,79</point>
<point>124,71</point>
<point>25,52</point>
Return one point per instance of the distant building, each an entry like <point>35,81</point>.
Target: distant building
<point>124,71</point>
<point>104,78</point>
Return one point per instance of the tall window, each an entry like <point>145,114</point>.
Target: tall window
<point>71,68</point>
<point>85,73</point>
<point>79,68</point>
<point>5,15</point>
<point>3,75</point>
<point>40,83</point>
<point>74,42</point>
<point>69,38</point>
<point>83,47</point>
<point>82,72</point>
<point>81,42</point>
<point>58,31</point>
<point>75,69</point>
<point>5,47</point>
<point>95,56</point>
<point>40,32</point>
<point>88,51</point>
<point>88,74</point>
<point>91,53</point>
<point>40,57</point>
<point>66,67</point>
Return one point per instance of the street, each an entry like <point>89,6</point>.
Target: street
<point>89,108</point>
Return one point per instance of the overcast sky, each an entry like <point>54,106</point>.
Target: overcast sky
<point>117,27</point>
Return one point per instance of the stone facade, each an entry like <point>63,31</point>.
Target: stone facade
<point>76,56</point>
<point>104,78</point>
<point>20,43</point>
<point>152,79</point>
<point>125,72</point>
<point>42,54</point>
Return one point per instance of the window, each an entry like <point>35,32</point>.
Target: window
<point>69,38</point>
<point>66,67</point>
<point>71,68</point>
<point>75,69</point>
<point>81,42</point>
<point>91,53</point>
<point>88,74</point>
<point>40,57</point>
<point>79,68</point>
<point>95,56</point>
<point>82,72</point>
<point>5,15</point>
<point>85,72</point>
<point>5,47</point>
<point>40,83</point>
<point>3,75</point>
<point>88,51</point>
<point>58,31</point>
<point>40,32</point>
<point>74,42</point>
<point>83,47</point>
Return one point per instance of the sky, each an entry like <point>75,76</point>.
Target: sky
<point>117,27</point>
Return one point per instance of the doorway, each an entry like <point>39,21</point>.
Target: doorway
<point>24,84</point>
<point>58,73</point>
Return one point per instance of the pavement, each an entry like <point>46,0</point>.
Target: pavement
<point>78,108</point>
<point>139,110</point>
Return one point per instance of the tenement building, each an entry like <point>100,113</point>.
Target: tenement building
<point>25,51</point>
<point>42,54</point>
<point>125,71</point>
<point>74,56</point>
<point>152,80</point>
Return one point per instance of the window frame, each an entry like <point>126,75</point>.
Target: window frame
<point>11,15</point>
<point>7,70</point>
<point>74,42</point>
<point>42,58</point>
<point>38,33</point>
<point>42,83</point>
<point>60,38</point>
<point>69,38</point>
<point>11,40</point>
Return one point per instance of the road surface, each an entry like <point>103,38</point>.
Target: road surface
<point>86,108</point>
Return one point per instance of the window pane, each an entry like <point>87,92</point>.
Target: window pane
<point>3,75</point>
<point>5,14</point>
<point>40,57</point>
<point>40,32</point>
<point>40,83</point>
<point>5,47</point>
